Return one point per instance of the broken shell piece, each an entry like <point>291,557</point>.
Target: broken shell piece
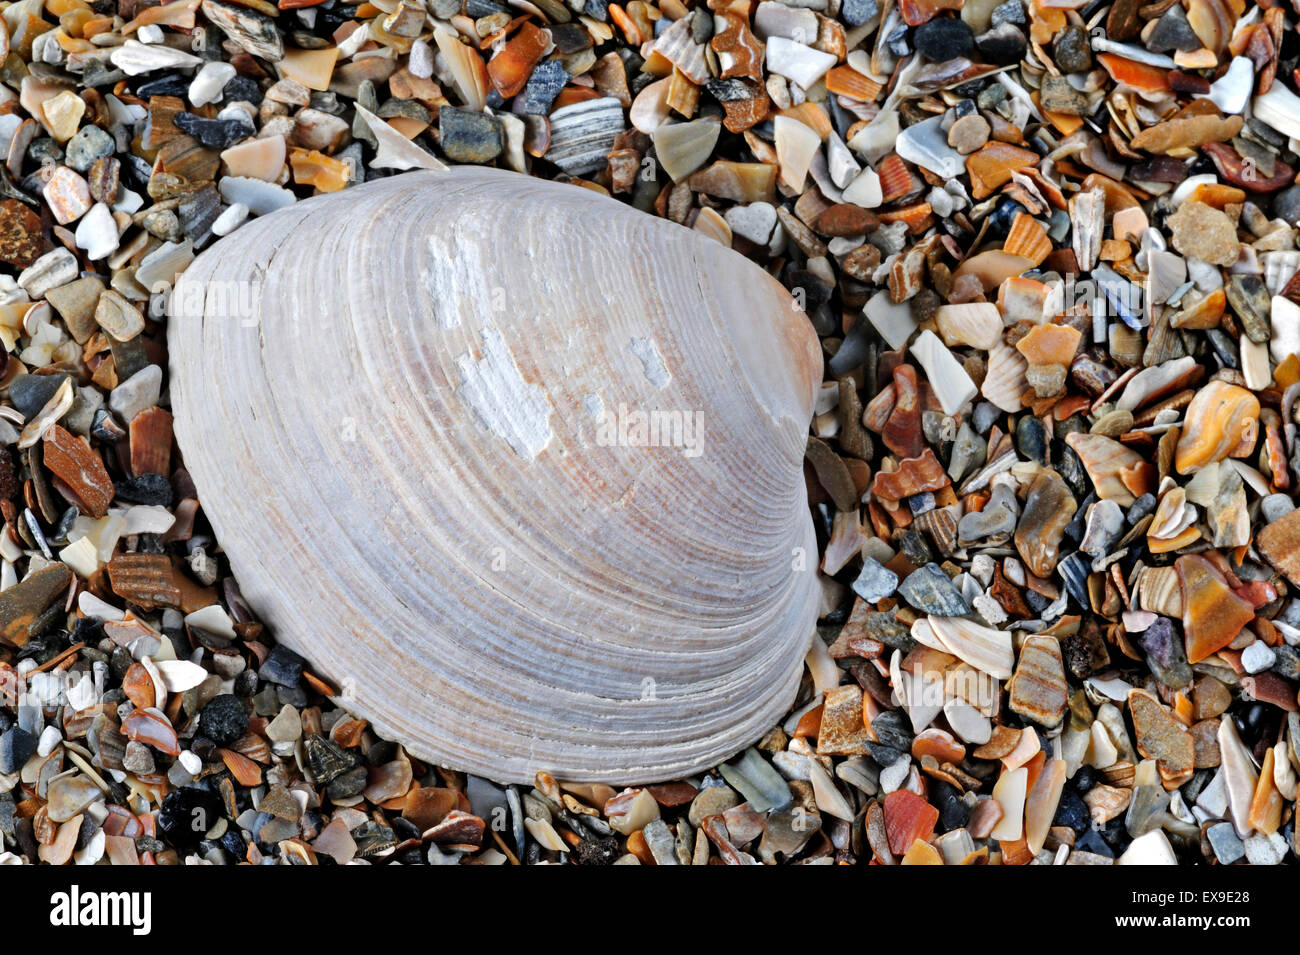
<point>1220,421</point>
<point>796,145</point>
<point>1213,614</point>
<point>683,148</point>
<point>1088,217</point>
<point>1050,344</point>
<point>1004,382</point>
<point>977,324</point>
<point>982,647</point>
<point>926,144</point>
<point>1117,473</point>
<point>951,385</point>
<point>1009,793</point>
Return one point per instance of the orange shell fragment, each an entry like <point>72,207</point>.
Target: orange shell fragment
<point>1213,614</point>
<point>908,817</point>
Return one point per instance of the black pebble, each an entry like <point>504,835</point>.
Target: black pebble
<point>1085,778</point>
<point>173,84</point>
<point>944,39</point>
<point>1002,217</point>
<point>213,133</point>
<point>187,814</point>
<point>1003,45</point>
<point>242,89</point>
<point>1091,841</point>
<point>892,730</point>
<point>145,489</point>
<point>596,851</point>
<point>349,784</point>
<point>224,719</point>
<point>29,393</point>
<point>283,666</point>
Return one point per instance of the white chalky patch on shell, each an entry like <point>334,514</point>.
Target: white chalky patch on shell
<point>594,405</point>
<point>503,402</point>
<point>652,363</point>
<point>457,284</point>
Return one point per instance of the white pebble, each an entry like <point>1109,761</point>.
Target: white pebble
<point>260,197</point>
<point>1265,850</point>
<point>50,738</point>
<point>894,775</point>
<point>1152,848</point>
<point>149,33</point>
<point>421,61</point>
<point>231,218</point>
<point>97,232</point>
<point>1257,657</point>
<point>208,82</point>
<point>193,765</point>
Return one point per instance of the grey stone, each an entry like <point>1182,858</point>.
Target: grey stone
<point>1172,32</point>
<point>1223,840</point>
<point>16,747</point>
<point>1103,527</point>
<point>469,137</point>
<point>1286,204</point>
<point>138,392</point>
<point>787,832</point>
<point>1165,653</point>
<point>929,589</point>
<point>756,780</point>
<point>1275,507</point>
<point>995,523</point>
<point>90,143</point>
<point>875,582</point>
<point>30,393</point>
<point>660,841</point>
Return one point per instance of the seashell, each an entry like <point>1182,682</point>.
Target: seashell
<point>678,47</point>
<point>982,647</point>
<point>1088,218</point>
<point>1159,591</point>
<point>796,144</point>
<point>1005,382</point>
<point>1028,239</point>
<point>991,168</point>
<point>845,542</point>
<point>978,324</point>
<point>896,180</point>
<point>1220,419</point>
<point>948,379</point>
<point>583,134</point>
<point>1169,520</point>
<point>1049,506</point>
<point>1118,474</point>
<point>913,476</point>
<point>1213,614</point>
<point>926,144</point>
<point>650,108</point>
<point>683,148</point>
<point>436,503</point>
<point>1050,344</point>
<point>1280,109</point>
<point>846,81</point>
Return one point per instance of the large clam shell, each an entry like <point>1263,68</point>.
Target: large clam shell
<point>397,443</point>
